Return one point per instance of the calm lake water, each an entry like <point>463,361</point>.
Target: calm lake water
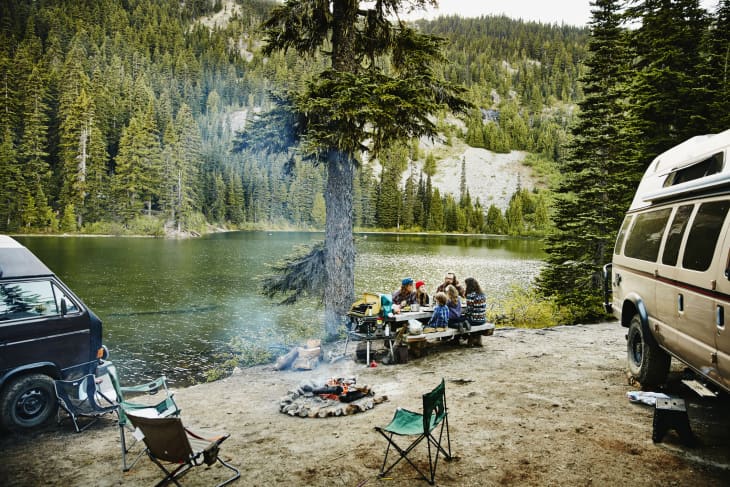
<point>169,306</point>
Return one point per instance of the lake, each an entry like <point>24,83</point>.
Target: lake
<point>170,306</point>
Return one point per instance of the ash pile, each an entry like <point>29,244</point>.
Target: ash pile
<point>333,397</point>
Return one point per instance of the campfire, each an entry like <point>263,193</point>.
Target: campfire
<point>337,396</point>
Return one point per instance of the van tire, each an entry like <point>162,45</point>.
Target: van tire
<point>27,401</point>
<point>648,363</point>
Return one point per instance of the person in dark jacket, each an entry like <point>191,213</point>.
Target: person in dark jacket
<point>451,280</point>
<point>476,303</point>
<point>405,296</point>
<point>456,319</point>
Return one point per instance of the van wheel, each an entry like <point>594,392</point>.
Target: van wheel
<point>27,401</point>
<point>648,363</point>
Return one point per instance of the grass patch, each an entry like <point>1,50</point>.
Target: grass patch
<point>526,308</point>
<point>240,354</point>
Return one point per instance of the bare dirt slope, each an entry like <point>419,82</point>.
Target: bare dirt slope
<point>531,407</point>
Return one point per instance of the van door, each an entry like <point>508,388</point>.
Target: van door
<point>722,328</point>
<point>39,320</point>
<point>701,264</point>
<point>670,297</point>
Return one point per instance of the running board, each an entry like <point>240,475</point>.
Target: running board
<point>699,388</point>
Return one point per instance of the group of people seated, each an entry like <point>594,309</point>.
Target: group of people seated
<point>447,310</point>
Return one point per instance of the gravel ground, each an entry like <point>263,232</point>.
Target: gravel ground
<point>530,407</point>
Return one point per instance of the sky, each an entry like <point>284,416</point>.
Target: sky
<point>570,12</point>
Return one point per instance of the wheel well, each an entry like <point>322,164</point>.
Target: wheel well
<point>46,369</point>
<point>628,310</point>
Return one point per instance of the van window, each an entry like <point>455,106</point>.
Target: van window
<point>706,167</point>
<point>32,299</point>
<point>646,235</point>
<point>703,236</point>
<point>622,234</point>
<point>676,232</point>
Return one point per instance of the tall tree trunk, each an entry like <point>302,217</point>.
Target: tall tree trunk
<point>339,242</point>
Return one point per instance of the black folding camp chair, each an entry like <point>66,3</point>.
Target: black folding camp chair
<point>81,398</point>
<point>168,441</point>
<point>152,399</point>
<point>408,423</point>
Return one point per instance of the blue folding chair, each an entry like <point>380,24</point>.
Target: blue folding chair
<point>81,398</point>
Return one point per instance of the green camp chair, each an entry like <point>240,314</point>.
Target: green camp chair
<point>408,423</point>
<point>145,402</point>
<point>168,441</point>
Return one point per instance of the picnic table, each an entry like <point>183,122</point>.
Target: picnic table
<point>372,328</point>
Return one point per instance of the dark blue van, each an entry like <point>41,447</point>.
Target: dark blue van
<point>46,333</point>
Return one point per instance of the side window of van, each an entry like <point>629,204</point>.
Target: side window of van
<point>27,300</point>
<point>622,234</point>
<point>32,299</point>
<point>646,235</point>
<point>703,235</point>
<point>711,165</point>
<point>676,232</point>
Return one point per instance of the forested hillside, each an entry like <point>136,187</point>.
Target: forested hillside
<point>523,75</point>
<point>121,116</point>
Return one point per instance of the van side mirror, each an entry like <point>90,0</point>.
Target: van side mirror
<point>64,307</point>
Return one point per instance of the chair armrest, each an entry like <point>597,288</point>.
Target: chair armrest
<point>152,387</point>
<point>217,439</point>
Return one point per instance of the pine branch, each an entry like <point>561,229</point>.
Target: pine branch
<point>299,274</point>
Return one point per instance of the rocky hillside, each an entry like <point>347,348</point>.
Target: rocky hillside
<point>491,177</point>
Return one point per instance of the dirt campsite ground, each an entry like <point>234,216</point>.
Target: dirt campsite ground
<point>530,407</point>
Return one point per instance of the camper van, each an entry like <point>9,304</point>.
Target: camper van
<point>46,333</point>
<point>669,280</point>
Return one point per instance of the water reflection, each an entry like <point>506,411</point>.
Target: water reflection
<point>169,306</point>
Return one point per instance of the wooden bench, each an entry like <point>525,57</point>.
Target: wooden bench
<point>416,343</point>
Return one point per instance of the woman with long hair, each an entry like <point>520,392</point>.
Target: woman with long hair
<point>476,303</point>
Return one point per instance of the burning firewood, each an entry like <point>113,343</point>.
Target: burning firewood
<point>336,397</point>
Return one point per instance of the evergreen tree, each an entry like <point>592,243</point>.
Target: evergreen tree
<point>82,153</point>
<point>716,70</point>
<point>408,203</point>
<point>352,101</point>
<point>139,166</point>
<point>235,200</point>
<point>11,178</point>
<point>429,165</point>
<point>189,157</point>
<point>665,92</point>
<point>436,213</point>
<point>462,179</point>
<point>515,214</point>
<point>32,150</point>
<point>601,172</point>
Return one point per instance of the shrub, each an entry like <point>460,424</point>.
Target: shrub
<point>147,225</point>
<point>241,354</point>
<point>526,308</point>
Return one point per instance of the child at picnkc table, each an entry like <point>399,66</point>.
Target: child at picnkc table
<point>440,316</point>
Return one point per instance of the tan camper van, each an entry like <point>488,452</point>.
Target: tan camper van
<point>670,275</point>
